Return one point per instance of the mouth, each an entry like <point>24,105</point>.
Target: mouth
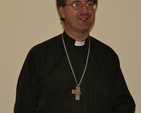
<point>83,18</point>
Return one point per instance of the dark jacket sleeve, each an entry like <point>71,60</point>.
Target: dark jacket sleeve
<point>26,87</point>
<point>122,99</point>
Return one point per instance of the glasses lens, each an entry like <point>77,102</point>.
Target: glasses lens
<point>77,5</point>
<point>90,5</point>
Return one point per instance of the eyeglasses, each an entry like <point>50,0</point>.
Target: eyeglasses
<point>79,5</point>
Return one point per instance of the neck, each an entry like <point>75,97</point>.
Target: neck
<point>78,36</point>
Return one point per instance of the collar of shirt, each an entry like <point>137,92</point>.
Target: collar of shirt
<point>70,40</point>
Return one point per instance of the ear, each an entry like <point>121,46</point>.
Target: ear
<point>61,11</point>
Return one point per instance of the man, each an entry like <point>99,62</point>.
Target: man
<point>73,72</point>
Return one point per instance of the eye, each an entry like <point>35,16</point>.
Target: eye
<point>89,4</point>
<point>76,4</point>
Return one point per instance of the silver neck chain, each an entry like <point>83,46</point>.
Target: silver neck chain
<point>77,83</point>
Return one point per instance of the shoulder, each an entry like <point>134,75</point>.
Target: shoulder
<point>103,50</point>
<point>46,45</point>
<point>101,47</point>
<point>50,42</point>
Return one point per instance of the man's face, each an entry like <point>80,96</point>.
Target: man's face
<point>77,20</point>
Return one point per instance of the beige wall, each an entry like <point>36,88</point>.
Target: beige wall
<point>24,23</point>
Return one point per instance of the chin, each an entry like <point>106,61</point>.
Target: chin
<point>84,28</point>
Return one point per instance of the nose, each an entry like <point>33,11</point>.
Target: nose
<point>84,9</point>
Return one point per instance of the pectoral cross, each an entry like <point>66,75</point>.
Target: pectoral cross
<point>77,93</point>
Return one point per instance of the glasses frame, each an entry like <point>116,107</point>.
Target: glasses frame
<point>82,5</point>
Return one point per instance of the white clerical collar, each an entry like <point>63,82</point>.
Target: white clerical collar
<point>77,43</point>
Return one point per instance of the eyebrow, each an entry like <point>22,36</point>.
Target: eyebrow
<point>89,0</point>
<point>86,0</point>
<point>77,0</point>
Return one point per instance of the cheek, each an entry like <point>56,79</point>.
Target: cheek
<point>70,17</point>
<point>92,16</point>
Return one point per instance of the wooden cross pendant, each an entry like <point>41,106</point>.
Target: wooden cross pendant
<point>77,93</point>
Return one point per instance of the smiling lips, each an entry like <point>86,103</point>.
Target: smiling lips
<point>83,18</point>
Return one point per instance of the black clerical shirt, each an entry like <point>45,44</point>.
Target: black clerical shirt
<point>46,81</point>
